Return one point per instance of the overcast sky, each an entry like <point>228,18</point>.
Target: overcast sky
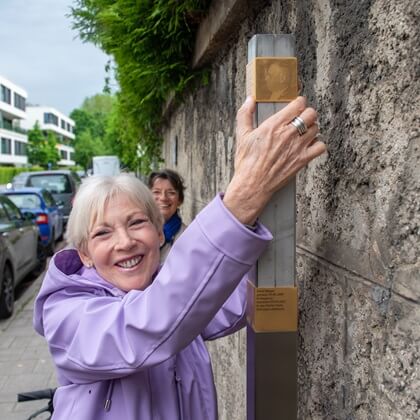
<point>42,54</point>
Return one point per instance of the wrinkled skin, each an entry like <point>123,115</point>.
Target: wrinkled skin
<point>268,156</point>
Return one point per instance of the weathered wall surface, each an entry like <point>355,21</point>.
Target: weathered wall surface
<point>358,207</point>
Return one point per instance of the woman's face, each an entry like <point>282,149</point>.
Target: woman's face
<point>166,197</point>
<point>124,246</point>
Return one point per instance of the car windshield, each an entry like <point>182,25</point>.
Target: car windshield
<point>56,184</point>
<point>26,201</point>
<point>19,181</point>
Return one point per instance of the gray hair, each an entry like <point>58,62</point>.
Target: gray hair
<point>94,194</point>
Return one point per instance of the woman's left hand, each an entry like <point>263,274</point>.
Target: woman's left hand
<point>268,156</point>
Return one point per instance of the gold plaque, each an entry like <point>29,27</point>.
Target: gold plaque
<point>272,79</point>
<point>272,309</point>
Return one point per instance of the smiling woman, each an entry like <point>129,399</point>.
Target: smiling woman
<point>124,245</point>
<point>168,188</point>
<point>127,335</point>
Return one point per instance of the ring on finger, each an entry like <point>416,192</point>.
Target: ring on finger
<point>300,125</point>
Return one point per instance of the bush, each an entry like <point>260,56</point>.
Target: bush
<point>8,172</point>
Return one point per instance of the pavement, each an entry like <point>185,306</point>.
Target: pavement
<point>25,363</point>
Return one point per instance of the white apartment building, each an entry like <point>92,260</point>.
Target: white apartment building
<point>12,112</point>
<point>49,119</point>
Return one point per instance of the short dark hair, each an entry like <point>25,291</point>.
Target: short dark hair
<point>173,177</point>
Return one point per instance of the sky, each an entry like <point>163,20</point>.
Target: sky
<point>42,54</point>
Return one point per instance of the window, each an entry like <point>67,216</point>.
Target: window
<point>3,215</point>
<point>7,124</point>
<point>12,211</point>
<point>69,128</point>
<point>48,198</point>
<point>63,154</point>
<point>50,118</point>
<point>20,102</point>
<point>6,95</point>
<point>20,148</point>
<point>56,184</point>
<point>6,146</point>
<point>71,155</point>
<point>26,201</point>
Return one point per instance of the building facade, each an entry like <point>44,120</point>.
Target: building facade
<point>12,113</point>
<point>51,120</point>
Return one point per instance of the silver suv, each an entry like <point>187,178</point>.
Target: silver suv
<point>62,184</point>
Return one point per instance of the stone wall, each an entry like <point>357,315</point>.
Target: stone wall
<point>358,206</point>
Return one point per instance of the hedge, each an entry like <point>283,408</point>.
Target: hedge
<point>8,172</point>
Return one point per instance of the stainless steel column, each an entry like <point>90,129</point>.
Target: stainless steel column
<point>272,300</point>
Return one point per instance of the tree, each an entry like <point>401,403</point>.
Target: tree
<point>91,125</point>
<point>86,147</point>
<point>83,121</point>
<point>53,156</point>
<point>151,43</point>
<point>42,149</point>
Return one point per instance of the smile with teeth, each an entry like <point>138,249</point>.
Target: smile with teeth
<point>130,263</point>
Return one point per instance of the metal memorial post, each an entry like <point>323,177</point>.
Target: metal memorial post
<point>272,294</point>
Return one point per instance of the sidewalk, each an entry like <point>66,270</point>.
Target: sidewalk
<point>25,363</point>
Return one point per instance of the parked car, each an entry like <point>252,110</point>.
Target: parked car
<point>62,184</point>
<point>21,252</point>
<point>48,213</point>
<point>82,174</point>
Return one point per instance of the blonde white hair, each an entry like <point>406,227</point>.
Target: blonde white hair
<point>94,194</point>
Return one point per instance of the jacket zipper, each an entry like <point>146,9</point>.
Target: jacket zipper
<point>178,384</point>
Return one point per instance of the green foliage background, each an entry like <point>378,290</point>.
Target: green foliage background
<point>94,133</point>
<point>42,150</point>
<point>151,43</point>
<point>8,172</point>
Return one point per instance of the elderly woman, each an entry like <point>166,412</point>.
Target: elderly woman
<point>167,187</point>
<point>127,338</point>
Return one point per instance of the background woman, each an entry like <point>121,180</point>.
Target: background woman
<point>167,187</point>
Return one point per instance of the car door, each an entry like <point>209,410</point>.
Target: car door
<point>6,235</point>
<point>54,214</point>
<point>23,236</point>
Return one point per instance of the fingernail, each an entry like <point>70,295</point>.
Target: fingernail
<point>249,99</point>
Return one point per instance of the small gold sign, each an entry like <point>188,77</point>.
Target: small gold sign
<point>272,309</point>
<point>272,79</point>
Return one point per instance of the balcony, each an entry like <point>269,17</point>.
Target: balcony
<point>4,125</point>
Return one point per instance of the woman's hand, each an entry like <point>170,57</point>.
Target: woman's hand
<point>269,156</point>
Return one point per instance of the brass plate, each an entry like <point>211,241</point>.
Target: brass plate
<point>272,79</point>
<point>272,309</point>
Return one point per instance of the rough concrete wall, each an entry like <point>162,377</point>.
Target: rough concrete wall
<point>358,207</point>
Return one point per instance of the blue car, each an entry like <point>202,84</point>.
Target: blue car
<point>47,212</point>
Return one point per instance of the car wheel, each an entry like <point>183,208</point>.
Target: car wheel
<point>42,259</point>
<point>7,293</point>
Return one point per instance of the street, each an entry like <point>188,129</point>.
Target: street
<point>25,363</point>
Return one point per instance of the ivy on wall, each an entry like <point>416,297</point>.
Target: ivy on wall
<point>151,43</point>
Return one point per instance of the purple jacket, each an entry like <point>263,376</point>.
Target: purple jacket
<point>141,355</point>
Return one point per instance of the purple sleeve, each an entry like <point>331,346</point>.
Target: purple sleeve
<point>102,337</point>
<point>231,317</point>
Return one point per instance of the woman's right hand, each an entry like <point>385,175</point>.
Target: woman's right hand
<point>268,156</point>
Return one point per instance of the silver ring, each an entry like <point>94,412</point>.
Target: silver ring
<point>300,125</point>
